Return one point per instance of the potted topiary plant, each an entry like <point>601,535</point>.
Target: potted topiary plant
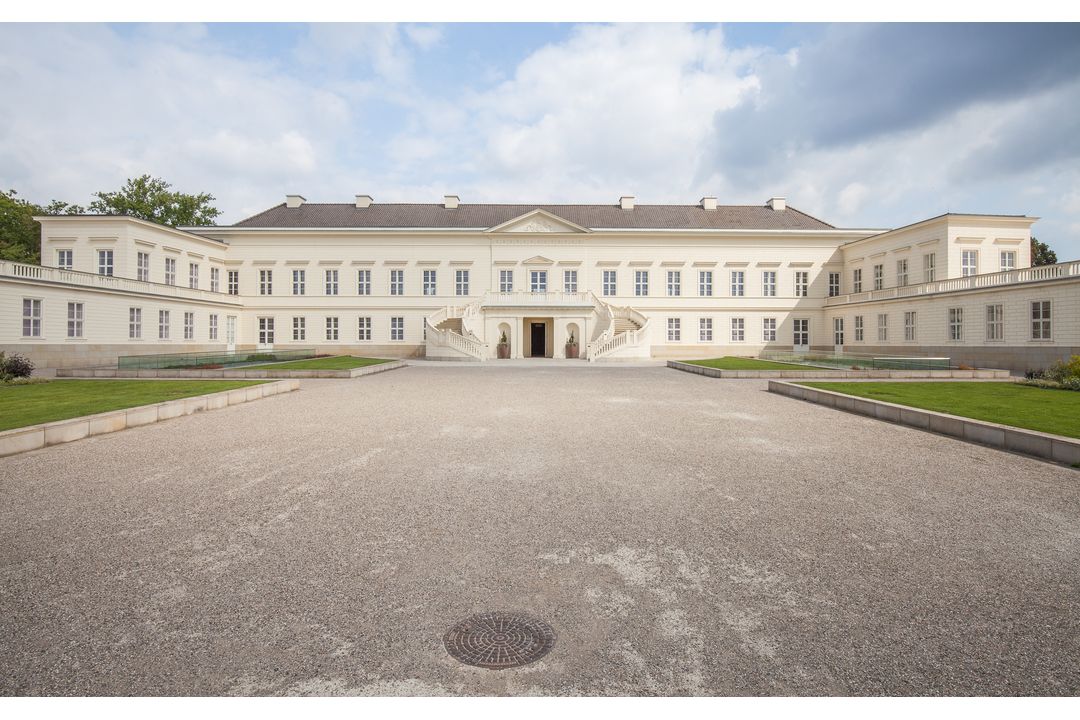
<point>503,347</point>
<point>571,347</point>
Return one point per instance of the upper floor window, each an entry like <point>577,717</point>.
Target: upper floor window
<point>142,267</point>
<point>768,283</point>
<point>641,282</point>
<point>738,283</point>
<point>570,281</point>
<point>1040,320</point>
<point>31,318</point>
<point>170,271</point>
<point>802,283</point>
<point>956,324</point>
<point>363,282</point>
<point>234,282</point>
<point>331,277</point>
<point>538,281</point>
<point>1008,260</point>
<point>75,320</point>
<point>969,262</point>
<point>879,277</point>
<point>704,280</point>
<point>461,282</point>
<point>193,275</point>
<point>299,282</point>
<point>856,280</point>
<point>506,281</point>
<point>215,279</point>
<point>397,282</point>
<point>430,287</point>
<point>609,282</point>
<point>105,262</point>
<point>65,259</point>
<point>929,264</point>
<point>834,284</point>
<point>266,282</point>
<point>674,283</point>
<point>901,272</point>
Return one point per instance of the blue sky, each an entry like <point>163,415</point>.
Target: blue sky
<point>861,125</point>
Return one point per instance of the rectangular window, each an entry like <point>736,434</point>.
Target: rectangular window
<point>838,331</point>
<point>883,327</point>
<point>189,326</point>
<point>430,286</point>
<point>331,328</point>
<point>64,259</point>
<point>879,277</point>
<point>674,329</point>
<point>234,282</point>
<point>956,324</point>
<point>609,282</point>
<point>834,284</point>
<point>299,328</point>
<point>397,328</point>
<point>213,326</point>
<point>506,281</point>
<point>995,322</point>
<point>768,329</point>
<point>299,282</point>
<point>856,280</point>
<point>909,326</point>
<point>363,329</point>
<point>859,328</point>
<point>142,267</point>
<point>193,275</point>
<point>768,283</point>
<point>363,282</point>
<point>929,267</point>
<point>266,331</point>
<point>738,329</point>
<point>75,320</point>
<point>674,283</point>
<point>901,272</point>
<point>538,281</point>
<point>170,271</point>
<point>331,277</point>
<point>266,282</point>
<point>215,279</point>
<point>31,318</point>
<point>641,283</point>
<point>570,281</point>
<point>461,282</point>
<point>705,329</point>
<point>105,262</point>
<point>1040,320</point>
<point>397,282</point>
<point>802,283</point>
<point>1008,260</point>
<point>969,263</point>
<point>163,324</point>
<point>738,283</point>
<point>704,283</point>
<point>800,336</point>
<point>135,323</point>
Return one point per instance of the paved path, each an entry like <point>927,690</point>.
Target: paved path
<point>681,534</point>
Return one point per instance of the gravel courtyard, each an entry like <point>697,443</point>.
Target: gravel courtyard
<point>682,535</point>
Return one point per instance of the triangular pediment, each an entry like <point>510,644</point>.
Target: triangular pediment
<point>538,221</point>
<point>538,260</point>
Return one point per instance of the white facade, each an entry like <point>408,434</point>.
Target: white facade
<point>538,278</point>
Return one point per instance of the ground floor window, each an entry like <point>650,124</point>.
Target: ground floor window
<point>31,319</point>
<point>189,326</point>
<point>674,329</point>
<point>331,328</point>
<point>768,329</point>
<point>363,331</point>
<point>909,326</point>
<point>705,330</point>
<point>882,327</point>
<point>801,332</point>
<point>75,320</point>
<point>1040,320</point>
<point>397,328</point>
<point>135,323</point>
<point>299,328</point>
<point>838,331</point>
<point>956,324</point>
<point>859,328</point>
<point>266,331</point>
<point>995,322</point>
<point>163,325</point>
<point>738,329</point>
<point>213,326</point>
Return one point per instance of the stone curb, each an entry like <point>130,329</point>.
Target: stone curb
<point>232,374</point>
<point>984,374</point>
<point>33,437</point>
<point>1003,437</point>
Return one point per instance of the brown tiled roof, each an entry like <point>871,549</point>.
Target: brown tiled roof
<point>434,216</point>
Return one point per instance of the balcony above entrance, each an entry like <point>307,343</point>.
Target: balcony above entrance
<point>553,299</point>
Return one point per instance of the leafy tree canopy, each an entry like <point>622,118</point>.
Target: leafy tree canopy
<point>1041,254</point>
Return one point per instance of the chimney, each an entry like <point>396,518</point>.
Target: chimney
<point>626,202</point>
<point>363,201</point>
<point>708,203</point>
<point>294,201</point>
<point>451,201</point>
<point>777,203</point>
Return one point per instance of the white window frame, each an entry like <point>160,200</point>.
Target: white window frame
<point>538,281</point>
<point>969,263</point>
<point>331,277</point>
<point>995,322</point>
<point>397,282</point>
<point>105,262</point>
<point>75,317</point>
<point>215,279</point>
<point>838,331</point>
<point>929,267</point>
<point>363,329</point>
<point>189,326</point>
<point>1008,260</point>
<point>461,282</point>
<point>641,283</point>
<point>212,325</point>
<point>266,282</point>
<point>738,329</point>
<point>363,282</point>
<point>879,276</point>
<point>705,284</point>
<point>610,284</point>
<point>332,328</point>
<point>802,283</point>
<point>955,324</point>
<point>674,283</point>
<point>738,283</point>
<point>883,327</point>
<point>856,280</point>
<point>911,326</point>
<point>705,329</point>
<point>800,330</point>
<point>170,271</point>
<point>65,258</point>
<point>834,284</point>
<point>902,272</point>
<point>570,281</point>
<point>134,323</point>
<point>430,282</point>
<point>768,283</point>
<point>193,275</point>
<point>32,317</point>
<point>860,333</point>
<point>768,329</point>
<point>674,329</point>
<point>506,281</point>
<point>266,330</point>
<point>299,282</point>
<point>299,328</point>
<point>233,278</point>
<point>164,320</point>
<point>397,328</point>
<point>142,266</point>
<point>1041,321</point>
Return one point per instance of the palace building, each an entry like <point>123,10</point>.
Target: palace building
<point>450,280</point>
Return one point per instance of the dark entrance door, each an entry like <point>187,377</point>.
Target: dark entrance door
<point>539,335</point>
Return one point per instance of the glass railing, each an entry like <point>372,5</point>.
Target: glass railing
<point>210,360</point>
<point>860,361</point>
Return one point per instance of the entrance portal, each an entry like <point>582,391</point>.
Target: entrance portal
<point>539,337</point>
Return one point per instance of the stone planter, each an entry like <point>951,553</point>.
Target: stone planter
<point>572,351</point>
<point>503,350</point>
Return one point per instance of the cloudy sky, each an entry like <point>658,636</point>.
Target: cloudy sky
<point>861,125</point>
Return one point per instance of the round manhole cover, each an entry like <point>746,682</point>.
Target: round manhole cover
<point>498,640</point>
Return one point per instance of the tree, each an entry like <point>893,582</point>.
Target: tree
<point>20,234</point>
<point>1041,254</point>
<point>152,199</point>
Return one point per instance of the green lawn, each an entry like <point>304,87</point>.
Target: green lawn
<point>338,362</point>
<point>738,363</point>
<point>22,405</point>
<point>1052,411</point>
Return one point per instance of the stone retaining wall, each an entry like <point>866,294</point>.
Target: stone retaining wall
<point>237,374</point>
<point>826,374</point>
